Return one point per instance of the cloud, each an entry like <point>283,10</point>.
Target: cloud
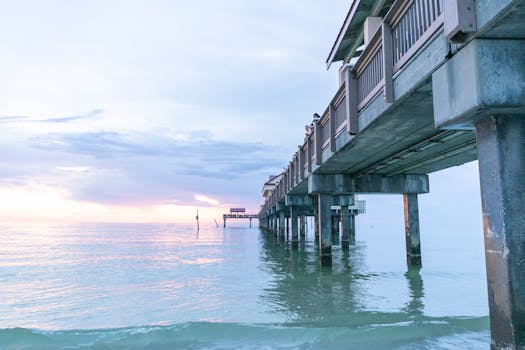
<point>144,168</point>
<point>207,200</point>
<point>190,99</point>
<point>68,119</point>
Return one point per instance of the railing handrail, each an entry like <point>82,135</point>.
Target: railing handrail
<point>339,96</point>
<point>424,19</point>
<point>396,11</point>
<point>368,53</point>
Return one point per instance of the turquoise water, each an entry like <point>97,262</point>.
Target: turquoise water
<point>152,286</point>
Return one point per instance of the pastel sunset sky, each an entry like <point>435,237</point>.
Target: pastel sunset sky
<point>147,110</point>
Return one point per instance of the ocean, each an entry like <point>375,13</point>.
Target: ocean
<point>166,286</point>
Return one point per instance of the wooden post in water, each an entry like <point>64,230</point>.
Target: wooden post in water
<point>197,218</point>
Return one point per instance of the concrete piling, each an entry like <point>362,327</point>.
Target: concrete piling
<point>282,220</point>
<point>324,217</point>
<point>501,153</point>
<point>347,227</point>
<point>413,246</point>
<point>294,226</point>
<point>335,227</point>
<point>302,227</point>
<point>316,226</point>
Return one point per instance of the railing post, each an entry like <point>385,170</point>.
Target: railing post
<point>288,178</point>
<point>301,164</point>
<point>309,155</point>
<point>388,63</point>
<point>331,120</point>
<point>294,172</point>
<point>296,168</point>
<point>352,96</point>
<point>318,139</point>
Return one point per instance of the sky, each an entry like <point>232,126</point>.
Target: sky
<point>145,111</point>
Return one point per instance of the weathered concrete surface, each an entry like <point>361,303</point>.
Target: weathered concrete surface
<point>413,245</point>
<point>324,215</point>
<point>347,227</point>
<point>335,228</point>
<point>343,199</point>
<point>486,77</point>
<point>342,183</point>
<point>294,226</point>
<point>298,200</point>
<point>282,220</point>
<point>500,18</point>
<point>302,227</point>
<point>316,227</point>
<point>501,148</point>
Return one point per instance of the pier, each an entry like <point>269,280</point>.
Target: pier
<point>424,85</point>
<point>238,213</point>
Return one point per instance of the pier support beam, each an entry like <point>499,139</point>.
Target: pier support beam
<point>324,218</point>
<point>302,227</point>
<point>335,227</point>
<point>287,225</point>
<point>413,245</point>
<point>295,227</point>
<point>347,226</point>
<point>482,87</point>
<point>282,219</point>
<point>501,154</point>
<point>316,226</point>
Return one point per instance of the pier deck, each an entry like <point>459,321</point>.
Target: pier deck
<point>439,83</point>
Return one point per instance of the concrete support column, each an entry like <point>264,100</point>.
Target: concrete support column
<point>352,229</point>
<point>275,229</point>
<point>348,227</point>
<point>335,227</point>
<point>501,155</point>
<point>302,227</point>
<point>324,217</point>
<point>295,226</point>
<point>316,227</point>
<point>282,220</point>
<point>413,245</point>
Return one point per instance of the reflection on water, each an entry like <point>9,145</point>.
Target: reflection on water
<point>343,295</point>
<point>309,292</point>
<point>166,287</point>
<point>415,284</point>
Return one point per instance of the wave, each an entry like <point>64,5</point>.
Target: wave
<point>420,333</point>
